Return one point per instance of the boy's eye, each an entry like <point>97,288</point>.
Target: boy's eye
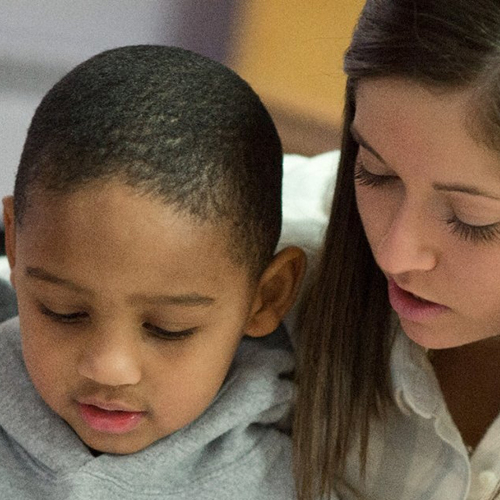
<point>63,318</point>
<point>77,317</point>
<point>168,334</point>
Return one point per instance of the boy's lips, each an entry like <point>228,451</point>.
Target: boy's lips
<point>113,417</point>
<point>110,405</point>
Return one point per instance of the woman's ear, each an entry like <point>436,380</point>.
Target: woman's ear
<point>10,233</point>
<point>277,290</point>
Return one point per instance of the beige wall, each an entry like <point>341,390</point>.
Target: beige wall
<point>291,52</point>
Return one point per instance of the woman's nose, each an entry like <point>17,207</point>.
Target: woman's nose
<point>111,358</point>
<point>407,243</point>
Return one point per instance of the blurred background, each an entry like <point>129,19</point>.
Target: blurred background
<point>289,50</point>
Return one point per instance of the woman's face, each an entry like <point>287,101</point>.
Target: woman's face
<point>429,198</point>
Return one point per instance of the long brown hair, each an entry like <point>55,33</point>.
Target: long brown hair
<point>345,337</point>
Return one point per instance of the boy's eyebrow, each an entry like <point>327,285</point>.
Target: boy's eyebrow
<point>42,275</point>
<point>188,299</point>
<point>362,142</point>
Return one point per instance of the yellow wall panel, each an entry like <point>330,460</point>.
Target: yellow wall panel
<point>291,52</point>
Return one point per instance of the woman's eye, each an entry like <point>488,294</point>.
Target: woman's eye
<point>475,234</point>
<point>366,178</point>
<point>64,318</point>
<point>168,334</point>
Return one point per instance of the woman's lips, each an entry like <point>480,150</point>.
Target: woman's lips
<point>409,307</point>
<point>111,418</point>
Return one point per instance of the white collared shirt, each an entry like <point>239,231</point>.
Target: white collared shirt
<point>417,452</point>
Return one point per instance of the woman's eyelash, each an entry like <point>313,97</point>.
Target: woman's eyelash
<point>466,232</point>
<point>475,234</point>
<point>167,334</point>
<point>366,178</point>
<point>63,318</point>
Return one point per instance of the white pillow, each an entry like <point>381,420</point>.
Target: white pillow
<point>308,185</point>
<point>4,269</point>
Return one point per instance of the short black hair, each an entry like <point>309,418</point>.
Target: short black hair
<point>172,124</point>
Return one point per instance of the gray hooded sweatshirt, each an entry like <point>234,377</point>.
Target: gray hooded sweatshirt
<point>233,451</point>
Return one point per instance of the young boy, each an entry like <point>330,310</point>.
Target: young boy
<point>141,234</point>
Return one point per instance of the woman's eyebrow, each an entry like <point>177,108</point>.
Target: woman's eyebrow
<point>463,188</point>
<point>453,187</point>
<point>362,142</point>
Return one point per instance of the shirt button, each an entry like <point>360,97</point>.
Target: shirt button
<point>488,481</point>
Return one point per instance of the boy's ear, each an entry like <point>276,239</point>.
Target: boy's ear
<point>276,292</point>
<point>10,232</point>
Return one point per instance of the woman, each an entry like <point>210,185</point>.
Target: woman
<point>399,383</point>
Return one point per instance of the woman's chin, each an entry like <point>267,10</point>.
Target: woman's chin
<point>431,337</point>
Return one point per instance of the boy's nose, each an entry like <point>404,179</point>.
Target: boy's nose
<point>111,359</point>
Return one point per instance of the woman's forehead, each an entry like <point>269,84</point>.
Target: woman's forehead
<point>409,124</point>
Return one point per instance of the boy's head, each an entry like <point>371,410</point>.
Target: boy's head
<point>169,123</point>
<point>141,235</point>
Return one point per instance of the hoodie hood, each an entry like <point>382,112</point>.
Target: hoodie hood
<point>239,423</point>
